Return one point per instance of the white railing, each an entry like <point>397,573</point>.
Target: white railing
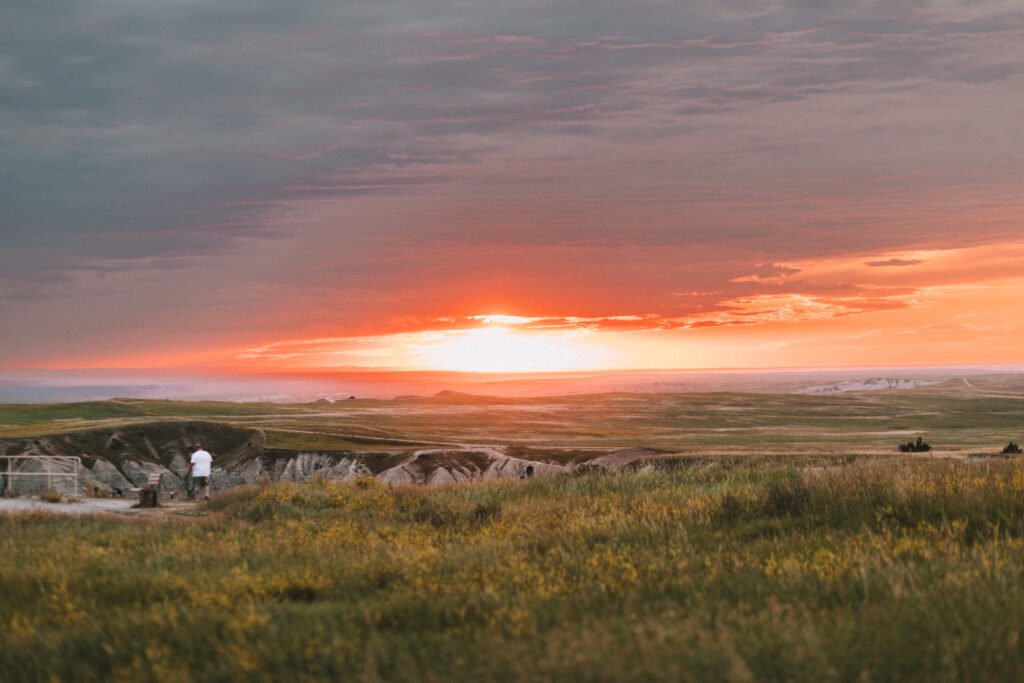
<point>72,462</point>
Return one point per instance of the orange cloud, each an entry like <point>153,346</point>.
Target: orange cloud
<point>828,311</point>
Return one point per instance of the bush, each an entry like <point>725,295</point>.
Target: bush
<point>918,446</point>
<point>787,498</point>
<point>588,470</point>
<point>1011,449</point>
<point>435,514</point>
<point>51,496</point>
<point>732,507</point>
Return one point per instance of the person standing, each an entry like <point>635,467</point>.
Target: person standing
<point>199,468</point>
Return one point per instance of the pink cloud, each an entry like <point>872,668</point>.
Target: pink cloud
<point>893,262</point>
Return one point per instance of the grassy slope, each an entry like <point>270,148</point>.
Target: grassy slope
<point>903,570</point>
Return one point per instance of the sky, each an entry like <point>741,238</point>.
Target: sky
<point>521,186</point>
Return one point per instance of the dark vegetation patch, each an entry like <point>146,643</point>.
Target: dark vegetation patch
<point>379,462</point>
<point>587,469</point>
<point>872,496</point>
<point>434,513</point>
<point>461,460</point>
<point>328,440</point>
<point>918,446</point>
<point>558,456</point>
<point>442,512</point>
<point>296,590</point>
<point>691,461</point>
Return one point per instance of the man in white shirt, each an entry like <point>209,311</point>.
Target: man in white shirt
<point>199,468</point>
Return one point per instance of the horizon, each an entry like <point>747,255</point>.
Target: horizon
<point>55,386</point>
<point>577,188</point>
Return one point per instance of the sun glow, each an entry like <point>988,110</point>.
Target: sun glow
<point>503,319</point>
<point>499,349</point>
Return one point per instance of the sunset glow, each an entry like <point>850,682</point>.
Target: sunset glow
<point>499,349</point>
<point>584,188</point>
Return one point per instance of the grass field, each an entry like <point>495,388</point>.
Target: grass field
<point>883,569</point>
<point>953,419</point>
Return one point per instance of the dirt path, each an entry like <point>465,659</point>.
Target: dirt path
<point>101,506</point>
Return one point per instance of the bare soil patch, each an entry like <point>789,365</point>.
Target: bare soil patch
<point>98,506</point>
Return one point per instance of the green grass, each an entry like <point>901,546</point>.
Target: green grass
<point>904,569</point>
<point>15,416</point>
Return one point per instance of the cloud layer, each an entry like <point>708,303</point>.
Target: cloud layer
<point>186,176</point>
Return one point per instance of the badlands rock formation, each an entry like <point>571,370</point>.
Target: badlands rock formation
<point>122,457</point>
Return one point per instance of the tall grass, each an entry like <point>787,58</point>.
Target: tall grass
<point>877,571</point>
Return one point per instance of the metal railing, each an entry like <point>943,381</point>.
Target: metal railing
<point>49,460</point>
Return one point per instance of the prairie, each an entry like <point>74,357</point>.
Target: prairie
<point>878,570</point>
<point>768,537</point>
<point>954,416</point>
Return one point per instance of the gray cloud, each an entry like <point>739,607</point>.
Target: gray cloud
<point>773,270</point>
<point>138,135</point>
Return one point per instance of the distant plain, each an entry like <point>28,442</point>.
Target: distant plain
<point>956,416</point>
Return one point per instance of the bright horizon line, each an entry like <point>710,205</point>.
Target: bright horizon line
<point>221,371</point>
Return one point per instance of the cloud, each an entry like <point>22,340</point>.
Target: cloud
<point>893,262</point>
<point>768,271</point>
<point>576,161</point>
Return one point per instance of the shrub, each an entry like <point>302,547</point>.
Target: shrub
<point>1011,449</point>
<point>435,514</point>
<point>732,507</point>
<point>789,498</point>
<point>588,469</point>
<point>918,446</point>
<point>51,496</point>
<point>364,481</point>
<point>485,512</point>
<point>99,492</point>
